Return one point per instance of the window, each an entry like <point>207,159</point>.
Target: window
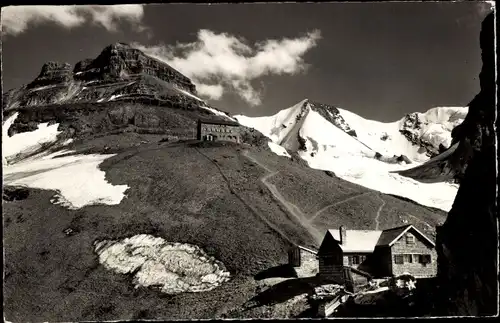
<point>424,259</point>
<point>410,239</point>
<point>356,260</point>
<point>398,259</point>
<point>408,259</point>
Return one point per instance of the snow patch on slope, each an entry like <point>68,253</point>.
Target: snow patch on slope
<point>189,94</point>
<point>26,142</point>
<point>217,112</point>
<point>277,149</point>
<point>77,179</point>
<point>173,267</point>
<point>275,127</point>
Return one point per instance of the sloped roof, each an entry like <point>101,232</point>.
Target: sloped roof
<point>358,240</point>
<point>390,236</point>
<point>221,122</point>
<point>314,252</point>
<point>367,240</point>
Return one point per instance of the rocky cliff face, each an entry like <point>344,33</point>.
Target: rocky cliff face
<point>120,61</point>
<point>467,242</point>
<point>332,114</point>
<point>121,90</point>
<point>411,122</point>
<point>119,72</point>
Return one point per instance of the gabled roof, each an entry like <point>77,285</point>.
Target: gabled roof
<point>390,236</point>
<point>365,241</point>
<point>314,252</point>
<point>221,122</point>
<point>358,240</point>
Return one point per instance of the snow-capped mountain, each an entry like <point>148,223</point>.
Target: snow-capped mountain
<point>366,152</point>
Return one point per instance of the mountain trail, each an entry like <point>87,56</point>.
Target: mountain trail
<point>377,223</point>
<point>311,219</point>
<point>255,212</point>
<point>290,207</point>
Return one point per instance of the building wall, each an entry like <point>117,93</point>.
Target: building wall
<point>221,132</point>
<point>361,257</point>
<point>331,268</point>
<point>381,262</point>
<point>308,264</point>
<point>415,268</point>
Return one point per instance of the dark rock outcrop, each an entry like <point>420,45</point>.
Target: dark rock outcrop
<point>15,193</point>
<point>411,125</point>
<point>467,243</point>
<point>53,73</point>
<point>333,115</point>
<point>403,159</point>
<point>117,61</point>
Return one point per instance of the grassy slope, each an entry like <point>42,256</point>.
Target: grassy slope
<point>322,190</point>
<point>209,196</point>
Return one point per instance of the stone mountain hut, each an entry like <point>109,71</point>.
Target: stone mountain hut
<point>218,130</point>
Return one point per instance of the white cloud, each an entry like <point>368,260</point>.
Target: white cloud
<point>16,19</point>
<point>231,63</point>
<point>213,92</point>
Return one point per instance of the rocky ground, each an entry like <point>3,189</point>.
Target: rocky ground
<point>184,192</point>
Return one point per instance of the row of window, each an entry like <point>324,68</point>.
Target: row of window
<point>355,260</point>
<point>412,258</point>
<point>216,129</point>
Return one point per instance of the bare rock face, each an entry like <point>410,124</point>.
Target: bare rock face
<point>467,243</point>
<point>332,114</point>
<point>119,72</point>
<point>52,73</point>
<point>411,122</point>
<point>119,61</point>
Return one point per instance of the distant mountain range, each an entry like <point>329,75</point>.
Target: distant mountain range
<point>368,152</point>
<point>123,88</point>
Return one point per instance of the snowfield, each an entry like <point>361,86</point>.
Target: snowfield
<point>77,179</point>
<point>217,112</point>
<point>328,147</point>
<point>173,267</point>
<point>273,126</point>
<point>278,150</point>
<point>26,142</point>
<point>436,127</point>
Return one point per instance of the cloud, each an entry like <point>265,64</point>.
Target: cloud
<point>220,62</point>
<point>213,92</point>
<point>16,19</point>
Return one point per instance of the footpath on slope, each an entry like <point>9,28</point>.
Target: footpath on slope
<point>377,223</point>
<point>255,212</point>
<point>290,207</point>
<point>311,219</point>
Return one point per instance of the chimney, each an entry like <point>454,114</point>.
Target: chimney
<point>342,235</point>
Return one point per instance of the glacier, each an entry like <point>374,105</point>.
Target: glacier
<point>353,158</point>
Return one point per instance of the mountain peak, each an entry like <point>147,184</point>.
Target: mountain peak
<point>52,73</point>
<point>118,71</point>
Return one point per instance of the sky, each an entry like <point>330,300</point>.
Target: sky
<point>380,60</point>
